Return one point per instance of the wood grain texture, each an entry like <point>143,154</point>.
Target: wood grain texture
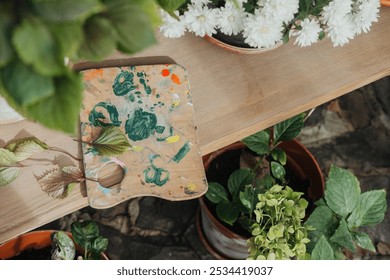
<point>233,96</point>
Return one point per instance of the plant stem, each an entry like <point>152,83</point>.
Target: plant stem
<point>64,152</point>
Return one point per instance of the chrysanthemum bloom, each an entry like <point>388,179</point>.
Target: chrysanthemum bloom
<point>201,20</point>
<point>308,34</point>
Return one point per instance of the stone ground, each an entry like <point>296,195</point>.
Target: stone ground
<point>351,132</point>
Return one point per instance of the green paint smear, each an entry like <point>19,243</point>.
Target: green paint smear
<point>156,175</point>
<point>140,125</point>
<point>142,80</point>
<point>160,139</point>
<point>160,129</point>
<point>131,97</point>
<point>123,83</point>
<point>182,152</point>
<point>96,118</point>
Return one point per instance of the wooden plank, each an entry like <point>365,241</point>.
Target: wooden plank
<point>233,96</point>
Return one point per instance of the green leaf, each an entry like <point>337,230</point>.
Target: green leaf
<point>7,175</point>
<point>342,191</point>
<point>288,129</point>
<point>324,223</point>
<point>84,233</point>
<point>279,155</point>
<point>68,37</point>
<point>6,52</point>
<point>64,10</point>
<point>42,51</point>
<point>238,180</point>
<point>258,142</point>
<point>99,39</point>
<point>62,247</point>
<point>227,212</point>
<point>111,142</point>
<point>322,250</point>
<point>343,236</point>
<point>363,240</point>
<point>249,198</point>
<point>98,246</point>
<point>266,182</point>
<point>7,158</point>
<point>132,25</point>
<point>151,9</point>
<point>25,86</point>
<point>370,210</point>
<point>26,147</point>
<point>170,5</point>
<point>60,111</point>
<point>216,193</point>
<point>278,171</point>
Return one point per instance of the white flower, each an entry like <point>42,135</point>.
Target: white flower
<point>200,2</point>
<point>284,10</point>
<point>171,27</point>
<point>261,31</point>
<point>336,10</point>
<point>201,20</point>
<point>231,19</point>
<point>341,31</point>
<point>309,33</point>
<point>367,12</point>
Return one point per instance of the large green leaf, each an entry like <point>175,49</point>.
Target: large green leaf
<point>170,5</point>
<point>370,210</point>
<point>151,9</point>
<point>343,236</point>
<point>99,39</point>
<point>216,193</point>
<point>278,171</point>
<point>238,180</point>
<point>35,45</point>
<point>84,233</point>
<point>249,198</point>
<point>322,250</point>
<point>279,155</point>
<point>227,212</point>
<point>63,247</point>
<point>288,129</point>
<point>65,10</point>
<point>324,222</point>
<point>258,142</point>
<point>342,191</point>
<point>60,111</point>
<point>68,37</point>
<point>98,246</point>
<point>363,240</point>
<point>25,86</point>
<point>6,51</point>
<point>132,25</point>
<point>111,142</point>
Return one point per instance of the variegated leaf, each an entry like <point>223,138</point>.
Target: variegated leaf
<point>111,142</point>
<point>26,147</point>
<point>7,158</point>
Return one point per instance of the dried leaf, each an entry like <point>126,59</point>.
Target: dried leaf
<point>7,158</point>
<point>111,142</point>
<point>26,147</point>
<point>57,181</point>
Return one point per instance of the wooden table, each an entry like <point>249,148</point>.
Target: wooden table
<point>233,95</point>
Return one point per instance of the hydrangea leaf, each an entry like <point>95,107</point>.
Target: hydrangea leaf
<point>370,210</point>
<point>111,142</point>
<point>258,142</point>
<point>363,240</point>
<point>278,171</point>
<point>288,129</point>
<point>342,191</point>
<point>8,174</point>
<point>343,236</point>
<point>26,147</point>
<point>216,193</point>
<point>227,212</point>
<point>238,180</point>
<point>322,250</point>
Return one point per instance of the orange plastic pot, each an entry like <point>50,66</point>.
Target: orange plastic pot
<point>221,241</point>
<point>31,240</point>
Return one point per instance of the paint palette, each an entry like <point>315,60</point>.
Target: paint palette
<point>152,106</point>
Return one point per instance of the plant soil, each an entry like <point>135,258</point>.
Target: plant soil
<point>34,254</point>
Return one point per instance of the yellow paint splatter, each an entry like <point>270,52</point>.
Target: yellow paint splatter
<point>175,100</point>
<point>172,139</point>
<point>191,188</point>
<point>136,148</point>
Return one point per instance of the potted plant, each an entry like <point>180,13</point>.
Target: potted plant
<point>39,41</point>
<point>268,158</point>
<point>264,24</point>
<point>83,242</point>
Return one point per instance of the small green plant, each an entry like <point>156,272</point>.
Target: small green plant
<point>86,236</point>
<point>278,232</point>
<point>339,215</point>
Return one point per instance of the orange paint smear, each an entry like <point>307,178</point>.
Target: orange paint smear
<point>165,72</point>
<point>92,74</point>
<point>175,79</point>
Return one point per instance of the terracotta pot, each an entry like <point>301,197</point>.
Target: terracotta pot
<point>31,240</point>
<point>385,2</point>
<point>223,243</point>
